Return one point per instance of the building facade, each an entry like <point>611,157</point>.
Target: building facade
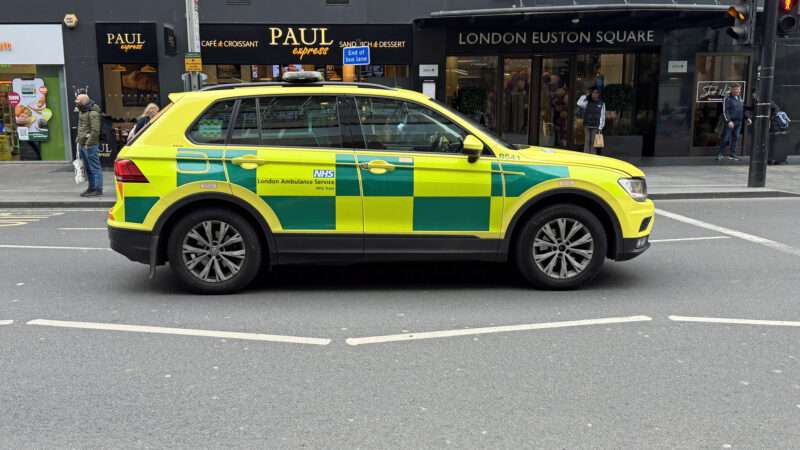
<point>663,68</point>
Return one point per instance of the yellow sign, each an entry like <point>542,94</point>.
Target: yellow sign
<point>192,62</point>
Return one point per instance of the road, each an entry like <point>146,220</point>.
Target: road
<point>462,356</point>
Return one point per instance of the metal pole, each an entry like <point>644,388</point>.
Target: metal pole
<point>193,36</point>
<point>766,75</point>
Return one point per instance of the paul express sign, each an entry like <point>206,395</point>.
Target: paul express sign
<point>302,44</point>
<point>126,42</point>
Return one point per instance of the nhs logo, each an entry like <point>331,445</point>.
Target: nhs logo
<point>323,173</point>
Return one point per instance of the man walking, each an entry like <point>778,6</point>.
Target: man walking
<point>89,143</point>
<point>733,116</point>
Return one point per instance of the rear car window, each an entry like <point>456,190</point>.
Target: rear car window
<point>212,126</point>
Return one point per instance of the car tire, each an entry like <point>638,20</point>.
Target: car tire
<point>214,251</point>
<point>561,247</point>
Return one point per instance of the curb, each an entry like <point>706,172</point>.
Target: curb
<point>721,195</point>
<point>58,204</point>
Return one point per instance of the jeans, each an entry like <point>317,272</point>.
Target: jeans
<point>729,137</point>
<point>588,141</point>
<point>91,160</point>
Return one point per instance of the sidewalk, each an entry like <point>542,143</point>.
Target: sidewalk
<point>42,185</point>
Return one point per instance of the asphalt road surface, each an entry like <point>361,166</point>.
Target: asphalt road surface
<point>696,344</point>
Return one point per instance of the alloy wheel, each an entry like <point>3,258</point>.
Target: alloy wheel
<point>213,251</point>
<point>563,248</point>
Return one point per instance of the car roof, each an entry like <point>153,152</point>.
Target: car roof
<point>323,88</point>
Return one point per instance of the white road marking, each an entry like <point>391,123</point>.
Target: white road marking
<point>19,218</point>
<point>737,234</point>
<point>6,322</point>
<point>180,331</point>
<point>774,323</point>
<point>703,238</point>
<point>487,330</point>
<point>83,229</point>
<point>52,247</point>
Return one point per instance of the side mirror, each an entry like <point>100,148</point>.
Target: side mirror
<point>472,147</point>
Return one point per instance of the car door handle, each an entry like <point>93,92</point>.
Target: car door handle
<point>248,162</point>
<point>378,166</point>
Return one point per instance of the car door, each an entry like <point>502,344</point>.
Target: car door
<point>287,150</point>
<point>421,194</point>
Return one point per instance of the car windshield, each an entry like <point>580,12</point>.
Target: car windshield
<point>483,129</point>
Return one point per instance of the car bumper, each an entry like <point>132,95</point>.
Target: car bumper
<point>135,245</point>
<point>632,247</point>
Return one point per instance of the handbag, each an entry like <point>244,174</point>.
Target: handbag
<point>599,142</point>
<point>80,170</point>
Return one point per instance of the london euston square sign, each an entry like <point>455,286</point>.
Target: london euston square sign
<point>540,40</point>
<point>302,44</point>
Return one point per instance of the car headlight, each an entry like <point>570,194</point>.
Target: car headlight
<point>635,187</point>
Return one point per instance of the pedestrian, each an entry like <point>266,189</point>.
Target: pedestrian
<point>594,119</point>
<point>89,143</point>
<point>149,112</point>
<point>732,117</point>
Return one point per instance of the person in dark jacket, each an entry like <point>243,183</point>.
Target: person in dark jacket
<point>733,118</point>
<point>88,141</point>
<point>594,118</point>
<point>149,112</point>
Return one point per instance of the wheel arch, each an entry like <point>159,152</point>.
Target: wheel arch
<point>173,213</point>
<point>579,197</point>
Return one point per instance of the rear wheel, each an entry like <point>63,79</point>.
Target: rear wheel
<point>214,251</point>
<point>561,247</point>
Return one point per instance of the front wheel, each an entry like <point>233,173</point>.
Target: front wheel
<point>214,251</point>
<point>561,247</point>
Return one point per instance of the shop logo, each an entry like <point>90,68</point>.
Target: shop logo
<point>5,46</point>
<point>305,41</point>
<point>126,41</point>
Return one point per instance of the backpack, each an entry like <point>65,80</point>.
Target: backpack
<point>781,121</point>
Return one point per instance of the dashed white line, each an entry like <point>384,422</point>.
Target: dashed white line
<point>52,247</point>
<point>737,234</point>
<point>180,331</point>
<point>487,330</point>
<point>6,322</point>
<point>703,238</point>
<point>774,323</point>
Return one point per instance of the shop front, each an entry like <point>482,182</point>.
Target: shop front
<point>236,53</point>
<point>662,77</point>
<point>33,120</point>
<point>127,54</point>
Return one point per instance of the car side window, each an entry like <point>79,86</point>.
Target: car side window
<point>212,126</point>
<point>245,128</point>
<point>399,125</point>
<point>300,121</point>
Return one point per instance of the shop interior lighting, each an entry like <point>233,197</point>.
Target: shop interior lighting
<point>118,68</point>
<point>147,68</point>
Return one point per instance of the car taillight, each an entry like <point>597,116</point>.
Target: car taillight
<point>126,171</point>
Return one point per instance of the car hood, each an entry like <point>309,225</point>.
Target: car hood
<point>570,158</point>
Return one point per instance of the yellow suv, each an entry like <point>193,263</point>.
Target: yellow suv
<point>236,178</point>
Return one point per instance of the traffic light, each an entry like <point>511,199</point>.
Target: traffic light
<point>743,13</point>
<point>787,20</point>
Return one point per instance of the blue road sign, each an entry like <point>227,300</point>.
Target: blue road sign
<point>357,56</point>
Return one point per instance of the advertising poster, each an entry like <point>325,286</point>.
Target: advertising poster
<point>29,100</point>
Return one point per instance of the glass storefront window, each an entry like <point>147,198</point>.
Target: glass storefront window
<point>714,76</point>
<point>127,89</point>
<point>471,83</point>
<point>516,99</point>
<point>31,113</point>
<point>388,74</point>
<point>554,103</point>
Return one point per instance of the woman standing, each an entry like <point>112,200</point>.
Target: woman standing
<point>149,112</point>
<point>594,119</point>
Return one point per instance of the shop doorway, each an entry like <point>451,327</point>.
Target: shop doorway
<point>537,97</point>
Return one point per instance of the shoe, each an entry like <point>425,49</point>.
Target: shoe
<point>719,157</point>
<point>94,194</point>
<point>85,193</point>
<point>733,158</point>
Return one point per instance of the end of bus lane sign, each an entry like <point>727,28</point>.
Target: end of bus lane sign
<point>357,56</point>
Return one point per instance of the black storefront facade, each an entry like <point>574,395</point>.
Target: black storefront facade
<point>234,53</point>
<point>663,75</point>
